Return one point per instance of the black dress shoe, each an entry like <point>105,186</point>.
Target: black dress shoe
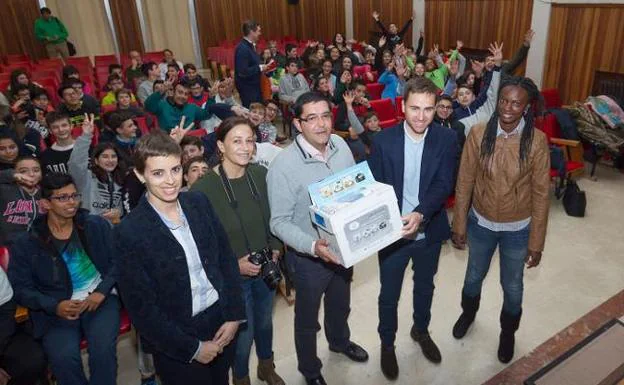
<point>354,352</point>
<point>389,366</point>
<point>316,381</point>
<point>429,348</point>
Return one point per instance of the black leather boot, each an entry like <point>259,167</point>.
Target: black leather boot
<point>509,325</point>
<point>469,305</point>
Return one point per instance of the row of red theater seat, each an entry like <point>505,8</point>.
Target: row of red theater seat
<point>48,72</point>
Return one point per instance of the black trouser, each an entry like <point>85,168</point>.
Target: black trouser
<point>20,355</point>
<point>312,278</point>
<point>216,372</point>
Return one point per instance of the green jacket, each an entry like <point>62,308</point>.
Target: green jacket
<point>51,31</point>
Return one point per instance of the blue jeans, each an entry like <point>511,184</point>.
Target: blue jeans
<point>392,263</point>
<point>100,328</point>
<point>513,248</point>
<point>258,328</point>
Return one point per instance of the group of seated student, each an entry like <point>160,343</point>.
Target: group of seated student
<point>60,196</point>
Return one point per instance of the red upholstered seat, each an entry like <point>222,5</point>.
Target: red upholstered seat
<point>384,109</point>
<point>551,98</point>
<point>374,90</point>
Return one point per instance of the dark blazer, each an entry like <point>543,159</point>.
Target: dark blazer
<point>154,277</point>
<point>39,275</point>
<point>247,72</point>
<point>437,174</point>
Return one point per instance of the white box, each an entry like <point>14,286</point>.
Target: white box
<point>355,214</point>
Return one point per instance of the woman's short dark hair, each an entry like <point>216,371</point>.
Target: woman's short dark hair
<point>54,181</point>
<point>152,145</point>
<point>228,124</point>
<point>189,66</point>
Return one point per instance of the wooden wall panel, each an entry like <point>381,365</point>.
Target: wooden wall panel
<point>220,20</point>
<point>17,28</point>
<point>127,26</point>
<point>477,23</point>
<point>582,39</point>
<point>395,11</point>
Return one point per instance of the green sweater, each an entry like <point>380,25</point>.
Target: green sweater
<point>252,212</point>
<point>438,76</point>
<point>50,31</point>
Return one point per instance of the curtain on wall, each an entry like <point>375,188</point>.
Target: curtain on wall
<point>168,26</point>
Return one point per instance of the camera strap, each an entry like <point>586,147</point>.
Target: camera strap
<point>231,197</point>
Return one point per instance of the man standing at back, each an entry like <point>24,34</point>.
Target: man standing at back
<point>316,272</point>
<point>247,67</point>
<point>418,158</point>
<point>52,33</point>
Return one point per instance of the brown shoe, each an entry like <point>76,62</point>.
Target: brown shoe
<point>266,372</point>
<point>241,381</point>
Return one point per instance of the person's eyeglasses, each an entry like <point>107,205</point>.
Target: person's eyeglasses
<point>273,109</point>
<point>445,107</point>
<point>316,119</point>
<point>67,197</point>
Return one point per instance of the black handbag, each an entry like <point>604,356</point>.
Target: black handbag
<point>71,48</point>
<point>574,200</point>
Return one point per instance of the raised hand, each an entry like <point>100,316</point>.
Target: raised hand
<point>179,131</point>
<point>87,124</point>
<point>215,88</point>
<point>401,69</point>
<point>376,15</point>
<point>240,111</point>
<point>382,41</point>
<point>497,52</point>
<point>349,98</point>
<point>528,37</point>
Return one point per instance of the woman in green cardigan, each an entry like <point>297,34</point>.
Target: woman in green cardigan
<point>237,190</point>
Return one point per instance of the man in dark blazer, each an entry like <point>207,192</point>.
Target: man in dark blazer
<point>179,278</point>
<point>418,158</point>
<point>247,65</point>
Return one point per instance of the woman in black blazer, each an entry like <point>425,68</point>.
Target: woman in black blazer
<point>178,279</point>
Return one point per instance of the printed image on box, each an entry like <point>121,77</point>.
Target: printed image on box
<point>357,215</point>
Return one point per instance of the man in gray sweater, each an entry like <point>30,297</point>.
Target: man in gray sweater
<point>313,155</point>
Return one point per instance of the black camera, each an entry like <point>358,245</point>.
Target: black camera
<point>269,270</point>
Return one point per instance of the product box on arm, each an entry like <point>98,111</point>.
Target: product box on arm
<point>357,215</point>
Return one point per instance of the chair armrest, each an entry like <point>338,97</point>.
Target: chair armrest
<point>565,142</point>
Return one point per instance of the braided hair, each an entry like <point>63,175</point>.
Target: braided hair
<point>534,106</point>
